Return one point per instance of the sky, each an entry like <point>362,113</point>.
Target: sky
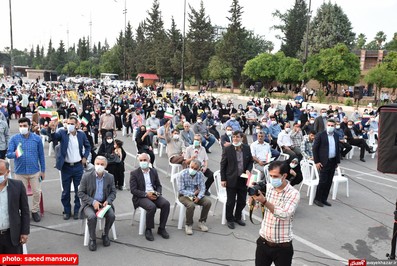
<point>36,21</point>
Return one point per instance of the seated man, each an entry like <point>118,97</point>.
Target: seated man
<point>96,191</point>
<point>207,139</point>
<point>285,143</point>
<point>161,131</point>
<point>307,145</point>
<point>260,151</point>
<point>152,124</point>
<point>251,118</point>
<point>146,189</point>
<point>187,134</point>
<point>343,145</point>
<point>191,189</point>
<point>233,123</point>
<point>175,147</point>
<point>354,138</point>
<point>226,139</point>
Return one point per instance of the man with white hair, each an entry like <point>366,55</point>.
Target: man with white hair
<point>187,134</point>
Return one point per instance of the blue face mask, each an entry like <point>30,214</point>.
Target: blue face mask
<point>144,165</point>
<point>192,171</point>
<point>276,182</point>
<point>2,178</point>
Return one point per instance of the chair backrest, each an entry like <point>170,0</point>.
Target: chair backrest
<point>220,191</point>
<point>174,182</point>
<point>371,139</point>
<point>283,157</point>
<point>309,171</point>
<point>266,173</point>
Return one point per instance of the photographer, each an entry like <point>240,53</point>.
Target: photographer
<point>275,241</point>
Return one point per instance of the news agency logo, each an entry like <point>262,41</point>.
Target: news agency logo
<point>357,263</point>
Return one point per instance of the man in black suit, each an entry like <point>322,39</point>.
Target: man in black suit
<point>236,160</point>
<point>146,189</point>
<point>96,191</point>
<point>320,123</point>
<point>354,138</point>
<point>14,218</point>
<point>226,139</point>
<point>326,157</point>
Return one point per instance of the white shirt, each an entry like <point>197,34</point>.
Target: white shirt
<point>73,153</point>
<point>260,151</point>
<point>4,215</point>
<point>284,139</point>
<point>148,182</point>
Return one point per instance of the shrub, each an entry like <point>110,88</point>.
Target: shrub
<point>321,96</point>
<point>349,102</point>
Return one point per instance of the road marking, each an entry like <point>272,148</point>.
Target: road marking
<point>378,183</point>
<point>363,173</point>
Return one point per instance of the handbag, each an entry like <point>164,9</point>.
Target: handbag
<point>113,159</point>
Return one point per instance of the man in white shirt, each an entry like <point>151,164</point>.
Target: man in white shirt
<point>285,143</point>
<point>261,152</point>
<point>251,117</point>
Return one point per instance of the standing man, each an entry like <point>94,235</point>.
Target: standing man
<point>275,236</point>
<point>236,160</point>
<point>107,123</point>
<point>70,160</point>
<point>27,151</point>
<point>320,123</point>
<point>146,189</point>
<point>96,191</point>
<point>14,213</point>
<point>4,138</point>
<point>326,157</point>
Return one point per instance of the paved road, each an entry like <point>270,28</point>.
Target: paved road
<point>359,226</point>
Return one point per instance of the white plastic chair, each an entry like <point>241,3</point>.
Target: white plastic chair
<point>174,168</point>
<point>372,143</point>
<point>161,149</point>
<point>220,195</point>
<point>44,139</point>
<point>99,224</point>
<point>142,219</point>
<point>351,153</point>
<point>182,208</point>
<point>339,178</point>
<point>310,179</point>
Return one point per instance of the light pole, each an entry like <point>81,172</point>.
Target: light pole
<point>12,44</point>
<point>125,39</point>
<point>307,32</point>
<point>183,49</point>
<point>89,45</point>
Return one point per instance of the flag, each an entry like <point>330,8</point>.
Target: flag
<point>169,113</point>
<point>84,121</point>
<point>357,122</point>
<point>19,151</point>
<point>101,213</point>
<point>54,116</point>
<point>45,112</point>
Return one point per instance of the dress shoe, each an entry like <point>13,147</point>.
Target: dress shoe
<point>207,150</point>
<point>36,217</point>
<point>371,151</point>
<point>66,216</point>
<point>318,203</point>
<point>163,233</point>
<point>326,203</point>
<point>149,235</point>
<point>92,245</point>
<point>230,225</point>
<point>362,159</point>
<point>76,216</point>
<point>106,240</point>
<point>207,193</point>
<point>240,222</point>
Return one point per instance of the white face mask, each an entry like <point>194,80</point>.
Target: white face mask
<point>23,130</point>
<point>109,141</point>
<point>311,122</point>
<point>153,116</point>
<point>229,132</point>
<point>292,165</point>
<point>2,178</point>
<point>337,127</point>
<point>99,169</point>
<point>350,127</point>
<point>238,144</point>
<point>199,120</point>
<point>288,130</point>
<point>324,114</point>
<point>71,128</point>
<point>107,112</point>
<point>176,137</point>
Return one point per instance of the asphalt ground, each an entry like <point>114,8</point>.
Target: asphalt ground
<point>359,226</point>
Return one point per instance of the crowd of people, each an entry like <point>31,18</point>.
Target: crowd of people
<point>88,120</point>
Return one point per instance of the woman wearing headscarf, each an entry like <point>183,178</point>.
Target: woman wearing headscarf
<point>143,143</point>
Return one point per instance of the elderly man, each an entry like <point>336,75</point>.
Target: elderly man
<point>146,189</point>
<point>152,125</point>
<point>261,152</point>
<point>251,117</point>
<point>191,192</point>
<point>207,139</point>
<point>175,147</point>
<point>187,134</point>
<point>107,123</point>
<point>96,191</point>
<point>285,143</point>
<point>233,123</point>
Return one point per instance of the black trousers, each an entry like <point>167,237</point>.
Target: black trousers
<point>6,246</point>
<point>210,178</point>
<point>344,148</point>
<point>236,196</point>
<point>151,207</point>
<point>325,183</point>
<point>265,255</point>
<point>362,144</point>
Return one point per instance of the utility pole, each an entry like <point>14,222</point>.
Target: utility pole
<point>307,32</point>
<point>12,44</point>
<point>183,48</point>
<point>89,45</point>
<point>125,40</point>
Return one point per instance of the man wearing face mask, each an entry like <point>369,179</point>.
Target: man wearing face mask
<point>354,137</point>
<point>175,147</point>
<point>236,160</point>
<point>146,189</point>
<point>321,121</point>
<point>275,236</point>
<point>191,190</point>
<point>27,151</point>
<point>226,139</point>
<point>284,141</point>
<point>326,157</point>
<point>152,125</point>
<point>70,160</point>
<point>344,146</point>
<point>107,123</point>
<point>207,139</point>
<point>14,212</point>
<point>97,190</point>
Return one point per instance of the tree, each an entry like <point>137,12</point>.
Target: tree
<point>392,45</point>
<point>263,67</point>
<point>174,51</point>
<point>69,68</point>
<point>83,68</point>
<point>337,65</point>
<point>141,52</point>
<point>381,77</point>
<point>60,57</point>
<point>83,49</point>
<point>218,69</point>
<point>360,41</point>
<point>129,50</point>
<point>31,57</point>
<point>329,27</point>
<point>380,38</point>
<point>289,70</point>
<point>199,43</point>
<point>293,27</point>
<point>110,61</point>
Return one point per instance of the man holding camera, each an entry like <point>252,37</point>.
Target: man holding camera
<point>146,189</point>
<point>275,236</point>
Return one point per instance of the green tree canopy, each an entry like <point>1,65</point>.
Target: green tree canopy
<point>263,67</point>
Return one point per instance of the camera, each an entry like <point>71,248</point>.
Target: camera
<point>254,190</point>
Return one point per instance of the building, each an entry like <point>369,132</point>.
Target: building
<point>146,79</point>
<point>47,75</point>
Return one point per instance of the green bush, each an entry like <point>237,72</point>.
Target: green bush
<point>321,96</point>
<point>349,102</point>
<point>243,89</point>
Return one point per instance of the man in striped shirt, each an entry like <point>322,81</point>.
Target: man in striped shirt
<point>275,241</point>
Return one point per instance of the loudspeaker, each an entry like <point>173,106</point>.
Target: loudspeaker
<point>358,93</point>
<point>387,139</point>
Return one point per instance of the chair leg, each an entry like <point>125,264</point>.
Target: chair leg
<point>347,188</point>
<point>25,249</point>
<point>86,233</point>
<point>142,221</point>
<point>335,190</point>
<point>224,214</point>
<point>181,219</point>
<point>312,194</point>
<point>216,202</point>
<point>114,231</point>
<point>173,211</point>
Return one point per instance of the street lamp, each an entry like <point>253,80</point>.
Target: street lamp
<point>125,39</point>
<point>183,49</point>
<point>12,44</point>
<point>307,32</point>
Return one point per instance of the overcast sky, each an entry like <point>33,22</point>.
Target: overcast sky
<point>36,21</point>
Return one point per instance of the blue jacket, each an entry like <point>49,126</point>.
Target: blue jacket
<point>63,137</point>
